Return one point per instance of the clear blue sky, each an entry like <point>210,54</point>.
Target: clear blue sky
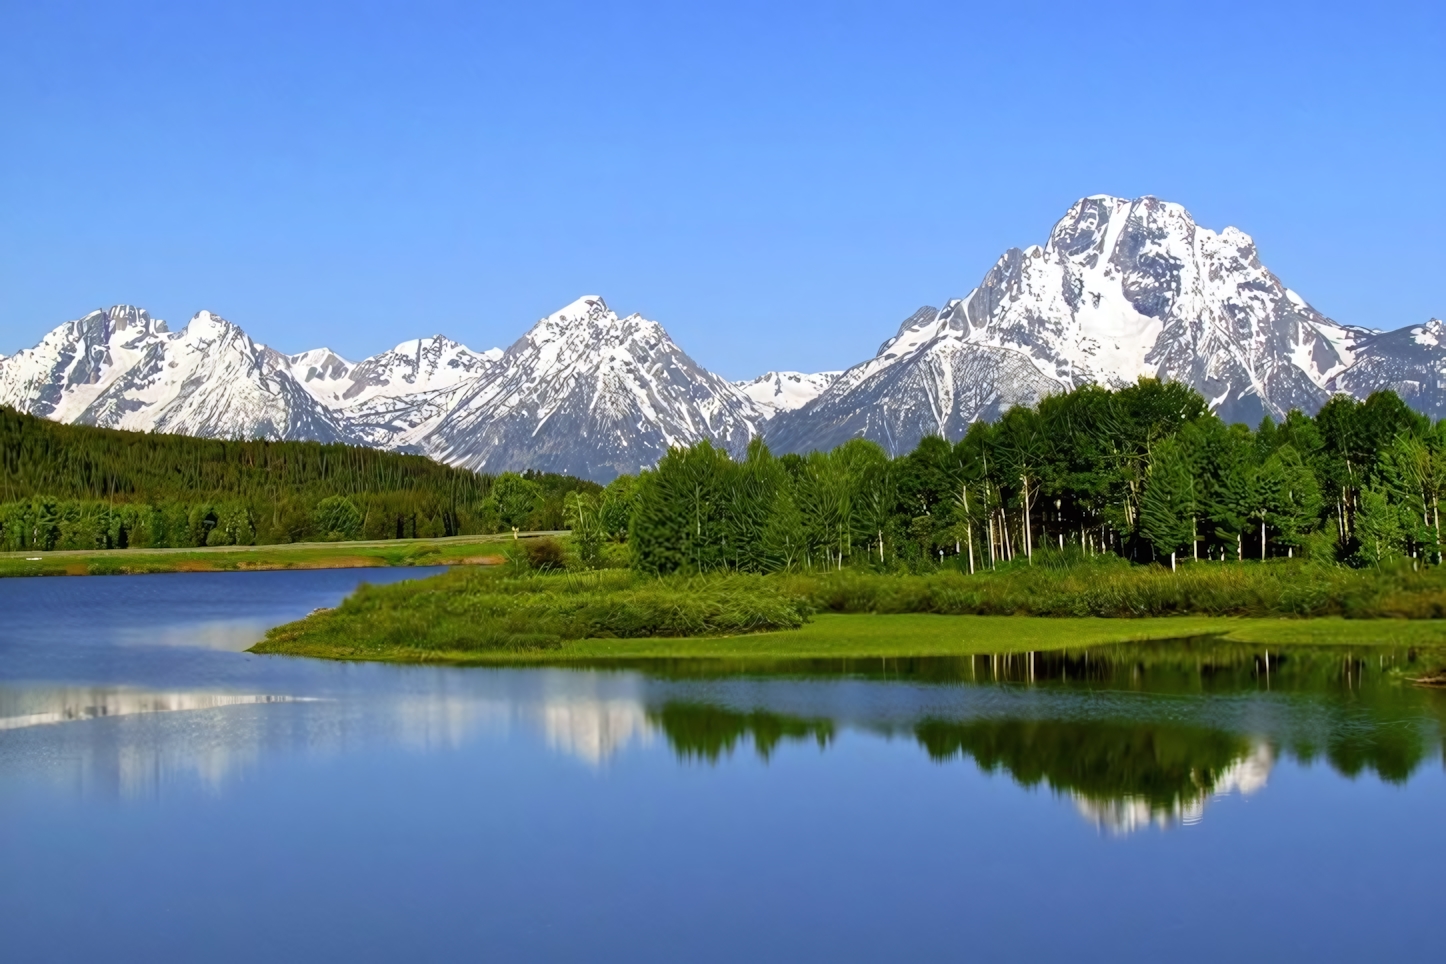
<point>778,183</point>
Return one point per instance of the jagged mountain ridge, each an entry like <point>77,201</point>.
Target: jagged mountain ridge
<point>1410,361</point>
<point>1121,289</point>
<point>583,392</point>
<point>394,399</point>
<point>121,368</point>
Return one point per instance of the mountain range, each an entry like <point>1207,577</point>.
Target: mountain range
<point>1122,288</point>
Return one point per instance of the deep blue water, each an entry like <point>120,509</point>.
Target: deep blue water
<point>164,796</point>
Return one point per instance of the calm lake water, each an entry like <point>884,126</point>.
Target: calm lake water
<point>165,796</point>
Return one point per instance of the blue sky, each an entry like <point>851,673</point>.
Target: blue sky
<point>778,183</point>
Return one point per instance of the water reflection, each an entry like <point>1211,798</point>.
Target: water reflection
<point>40,706</point>
<point>1133,736</point>
<point>1129,736</point>
<point>225,635</point>
<point>1121,777</point>
<point>1128,813</point>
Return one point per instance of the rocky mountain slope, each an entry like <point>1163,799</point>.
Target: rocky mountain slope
<point>397,398</point>
<point>1410,361</point>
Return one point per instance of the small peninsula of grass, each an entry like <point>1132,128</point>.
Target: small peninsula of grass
<point>512,617</point>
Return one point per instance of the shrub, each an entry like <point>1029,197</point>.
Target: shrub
<point>544,554</point>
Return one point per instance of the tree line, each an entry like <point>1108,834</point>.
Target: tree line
<point>80,487</point>
<point>1145,472</point>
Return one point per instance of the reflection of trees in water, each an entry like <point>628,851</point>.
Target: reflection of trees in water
<point>1365,717</point>
<point>1121,775</point>
<point>700,731</point>
<point>1204,665</point>
<point>1159,764</point>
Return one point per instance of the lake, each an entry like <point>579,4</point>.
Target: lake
<point>165,796</point>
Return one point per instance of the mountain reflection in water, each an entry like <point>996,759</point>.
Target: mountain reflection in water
<point>34,706</point>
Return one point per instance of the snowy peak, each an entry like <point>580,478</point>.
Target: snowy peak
<point>1128,288</point>
<point>416,366</point>
<point>120,368</point>
<point>1122,288</point>
<point>319,365</point>
<point>585,324</point>
<point>774,392</point>
<point>593,394</point>
<point>77,361</point>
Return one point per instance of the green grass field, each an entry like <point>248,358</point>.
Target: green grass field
<point>450,551</point>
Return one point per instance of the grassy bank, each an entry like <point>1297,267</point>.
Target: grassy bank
<point>454,551</point>
<point>476,616</point>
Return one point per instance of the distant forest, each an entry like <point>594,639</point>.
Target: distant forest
<point>78,487</point>
<point>1146,473</point>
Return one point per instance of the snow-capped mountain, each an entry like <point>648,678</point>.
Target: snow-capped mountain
<point>396,398</point>
<point>774,392</point>
<point>1122,289</point>
<point>584,392</point>
<point>921,382</point>
<point>1409,361</point>
<point>591,394</point>
<point>122,369</point>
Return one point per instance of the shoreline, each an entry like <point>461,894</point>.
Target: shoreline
<point>910,635</point>
<point>477,550</point>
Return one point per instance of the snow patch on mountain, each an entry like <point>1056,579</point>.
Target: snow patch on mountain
<point>774,392</point>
